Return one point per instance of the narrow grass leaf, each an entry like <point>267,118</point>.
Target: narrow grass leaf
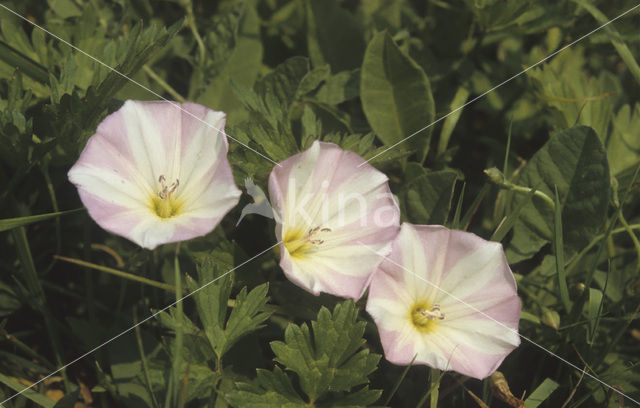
<point>509,221</point>
<point>118,273</point>
<point>540,394</point>
<point>397,384</point>
<point>459,99</point>
<point>11,223</point>
<point>455,224</point>
<point>38,398</point>
<point>466,219</point>
<point>558,248</point>
<point>620,46</point>
<point>593,311</point>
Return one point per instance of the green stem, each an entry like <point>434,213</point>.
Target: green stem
<point>15,58</point>
<point>574,261</point>
<point>435,387</point>
<point>26,349</point>
<point>126,275</point>
<point>143,360</point>
<point>497,177</point>
<point>177,357</point>
<point>191,21</point>
<point>633,237</point>
<point>538,193</point>
<point>88,278</point>
<point>163,84</point>
<point>54,205</point>
<point>40,301</point>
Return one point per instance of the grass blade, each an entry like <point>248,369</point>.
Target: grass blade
<point>397,384</point>
<point>540,394</point>
<point>11,223</point>
<point>614,37</point>
<point>36,397</point>
<point>593,311</point>
<point>455,224</point>
<point>466,219</point>
<point>459,99</point>
<point>119,273</point>
<point>508,221</point>
<point>558,248</point>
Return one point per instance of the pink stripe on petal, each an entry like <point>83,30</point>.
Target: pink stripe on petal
<point>310,192</point>
<point>475,363</point>
<point>118,173</point>
<point>396,350</point>
<point>468,268</point>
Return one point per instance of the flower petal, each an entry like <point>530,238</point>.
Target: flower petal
<point>467,279</point>
<point>118,172</point>
<point>349,205</point>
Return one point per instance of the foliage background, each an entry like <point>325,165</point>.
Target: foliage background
<point>363,74</point>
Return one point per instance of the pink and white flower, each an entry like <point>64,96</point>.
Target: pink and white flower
<point>448,298</point>
<point>155,173</point>
<point>329,208</point>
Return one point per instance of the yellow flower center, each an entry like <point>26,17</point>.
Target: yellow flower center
<point>163,204</point>
<point>298,242</point>
<point>424,318</point>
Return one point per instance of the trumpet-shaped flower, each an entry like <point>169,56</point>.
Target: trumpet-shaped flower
<point>155,173</point>
<point>448,298</point>
<point>329,206</point>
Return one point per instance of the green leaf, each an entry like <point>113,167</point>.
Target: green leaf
<point>64,8</point>
<point>30,394</point>
<point>329,360</point>
<point>396,95</point>
<point>594,308</point>
<point>573,96</point>
<point>574,161</point>
<point>200,378</point>
<point>334,37</point>
<point>15,59</point>
<point>11,223</point>
<point>426,199</point>
<point>339,88</point>
<point>313,79</point>
<point>242,68</point>
<point>211,302</point>
<point>219,44</point>
<point>620,46</point>
<point>459,99</point>
<point>558,249</point>
<point>364,397</point>
<point>273,390</point>
<point>329,357</point>
<point>623,146</point>
<point>268,105</point>
<point>9,301</point>
<point>540,394</point>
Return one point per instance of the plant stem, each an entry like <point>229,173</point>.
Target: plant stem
<point>435,387</point>
<point>163,84</point>
<point>633,237</point>
<point>177,357</point>
<point>54,205</point>
<point>191,21</point>
<point>126,275</point>
<point>143,360</point>
<point>40,301</point>
<point>574,261</point>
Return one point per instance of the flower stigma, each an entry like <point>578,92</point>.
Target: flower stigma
<point>298,243</point>
<point>164,205</point>
<point>423,317</point>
